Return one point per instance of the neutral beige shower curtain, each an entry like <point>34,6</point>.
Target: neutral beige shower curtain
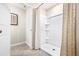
<point>68,47</point>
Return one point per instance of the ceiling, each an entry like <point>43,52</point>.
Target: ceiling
<point>34,5</point>
<point>48,5</point>
<point>19,5</point>
<point>44,5</point>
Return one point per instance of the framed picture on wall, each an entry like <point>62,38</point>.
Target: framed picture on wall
<point>14,19</point>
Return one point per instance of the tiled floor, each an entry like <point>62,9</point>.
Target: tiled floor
<point>23,50</point>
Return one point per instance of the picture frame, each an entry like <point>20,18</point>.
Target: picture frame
<point>14,19</point>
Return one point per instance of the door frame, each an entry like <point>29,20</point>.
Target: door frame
<point>35,29</point>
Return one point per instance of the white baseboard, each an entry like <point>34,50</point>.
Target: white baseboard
<point>21,43</point>
<point>28,45</point>
<point>17,44</point>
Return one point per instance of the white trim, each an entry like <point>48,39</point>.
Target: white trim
<point>28,45</point>
<point>17,44</point>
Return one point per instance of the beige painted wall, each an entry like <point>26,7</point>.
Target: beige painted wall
<point>37,29</point>
<point>18,31</point>
<point>29,18</point>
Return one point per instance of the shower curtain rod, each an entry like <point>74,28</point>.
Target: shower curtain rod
<point>55,16</point>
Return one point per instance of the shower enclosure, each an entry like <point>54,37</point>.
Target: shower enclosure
<point>51,22</point>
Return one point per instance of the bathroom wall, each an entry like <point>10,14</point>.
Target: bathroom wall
<point>38,26</point>
<point>29,18</point>
<point>18,31</point>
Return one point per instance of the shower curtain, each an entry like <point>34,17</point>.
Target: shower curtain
<point>68,38</point>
